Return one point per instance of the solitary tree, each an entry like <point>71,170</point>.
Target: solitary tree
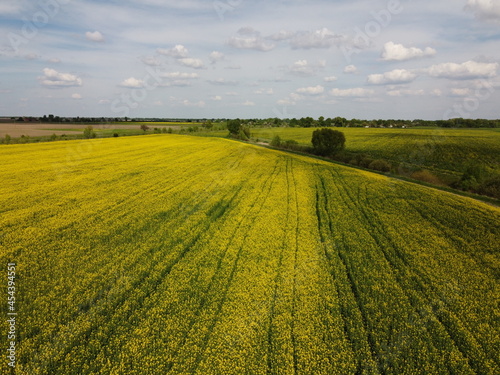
<point>327,142</point>
<point>144,128</point>
<point>234,126</point>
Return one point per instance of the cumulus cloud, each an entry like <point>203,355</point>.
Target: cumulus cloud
<point>357,92</point>
<point>178,79</point>
<point>192,63</point>
<point>316,90</point>
<point>216,98</point>
<point>254,42</point>
<point>350,69</point>
<point>264,91</point>
<point>181,53</point>
<point>488,10</point>
<point>392,77</point>
<point>330,79</point>
<point>76,96</point>
<point>53,78</point>
<point>216,56</point>
<point>466,70</point>
<point>249,38</point>
<point>132,83</point>
<point>31,56</point>
<point>322,38</point>
<point>436,93</point>
<point>94,36</point>
<point>280,36</point>
<point>178,52</point>
<point>248,103</point>
<point>398,52</point>
<point>151,61</point>
<point>406,92</point>
<point>248,31</point>
<point>200,104</point>
<point>305,68</point>
<point>460,92</point>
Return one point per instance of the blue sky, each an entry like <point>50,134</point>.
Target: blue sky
<point>240,58</point>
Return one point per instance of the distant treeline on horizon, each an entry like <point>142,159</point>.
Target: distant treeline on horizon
<point>304,122</point>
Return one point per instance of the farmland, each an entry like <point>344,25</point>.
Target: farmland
<point>441,150</point>
<point>172,254</point>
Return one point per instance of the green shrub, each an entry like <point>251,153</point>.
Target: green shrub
<point>380,165</point>
<point>276,141</point>
<point>89,132</point>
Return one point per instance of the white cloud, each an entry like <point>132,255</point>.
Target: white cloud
<point>264,91</point>
<point>403,92</point>
<point>54,61</point>
<point>292,99</point>
<point>322,38</point>
<point>178,52</point>
<point>192,63</point>
<point>255,42</point>
<point>53,78</point>
<point>216,56</point>
<point>461,92</point>
<point>436,93</point>
<point>95,36</point>
<point>395,76</point>
<point>151,61</point>
<point>350,69</point>
<point>357,92</point>
<point>248,31</point>
<point>31,56</point>
<point>250,38</point>
<point>316,90</point>
<point>132,83</point>
<point>330,79</point>
<point>76,96</point>
<point>398,52</point>
<point>180,83</point>
<point>466,70</point>
<point>216,98</point>
<point>188,103</point>
<point>248,103</point>
<point>282,35</point>
<point>305,68</point>
<point>488,10</point>
<point>285,102</point>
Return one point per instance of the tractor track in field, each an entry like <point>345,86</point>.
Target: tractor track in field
<point>205,340</point>
<point>354,288</point>
<point>279,271</point>
<point>136,284</point>
<point>400,275</point>
<point>294,292</point>
<point>325,228</point>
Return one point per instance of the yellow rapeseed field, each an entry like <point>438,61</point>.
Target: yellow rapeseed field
<point>171,254</point>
